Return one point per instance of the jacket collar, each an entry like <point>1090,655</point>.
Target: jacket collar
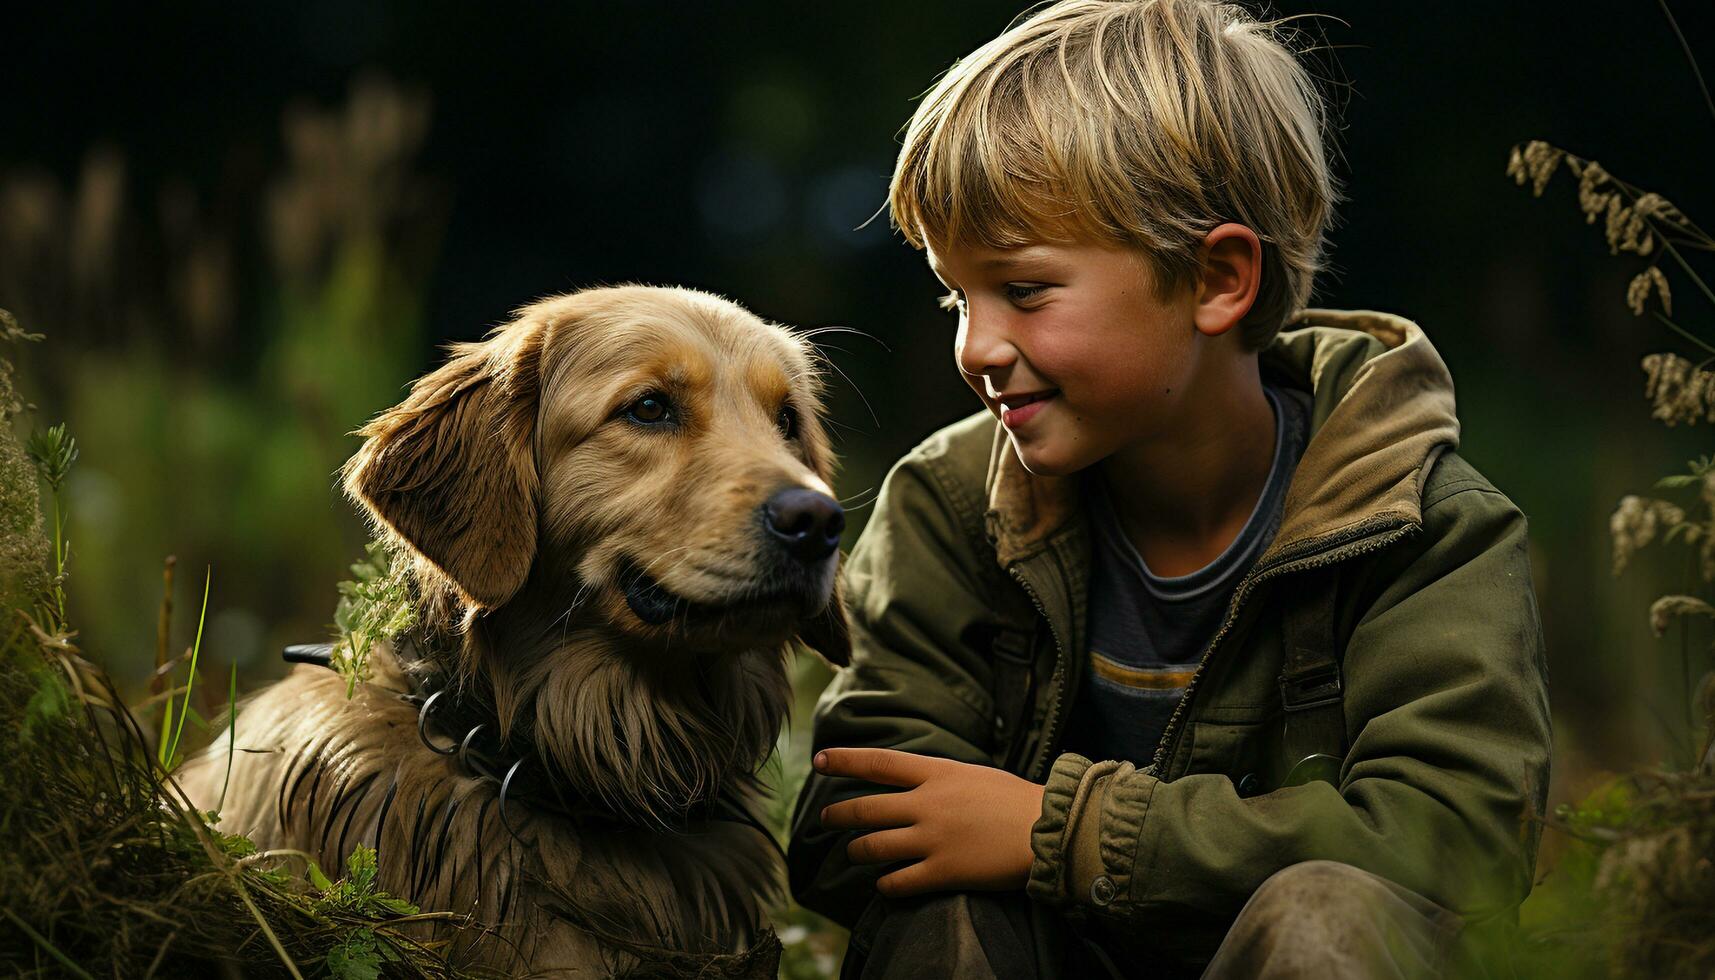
<point>1382,412</point>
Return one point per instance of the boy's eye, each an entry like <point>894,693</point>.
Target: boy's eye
<point>1016,292</point>
<point>1020,292</point>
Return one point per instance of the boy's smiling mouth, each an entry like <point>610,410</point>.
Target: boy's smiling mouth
<point>1016,408</point>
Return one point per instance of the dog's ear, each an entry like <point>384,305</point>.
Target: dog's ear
<point>828,633</point>
<point>451,470</point>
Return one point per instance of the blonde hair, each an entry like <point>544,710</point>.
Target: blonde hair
<point>1141,122</point>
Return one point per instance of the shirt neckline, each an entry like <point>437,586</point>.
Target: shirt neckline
<point>1191,585</point>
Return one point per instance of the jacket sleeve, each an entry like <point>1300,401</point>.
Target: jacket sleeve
<point>1447,709</point>
<point>915,683</point>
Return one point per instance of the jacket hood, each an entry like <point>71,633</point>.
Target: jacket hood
<point>1382,411</point>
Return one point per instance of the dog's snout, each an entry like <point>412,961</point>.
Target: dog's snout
<point>807,523</point>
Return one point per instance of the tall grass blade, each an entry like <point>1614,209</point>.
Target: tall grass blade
<point>231,734</point>
<point>42,941</point>
<point>171,757</point>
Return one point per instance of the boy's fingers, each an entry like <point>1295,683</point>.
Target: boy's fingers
<point>889,767</point>
<point>885,846</point>
<point>876,810</point>
<point>913,879</point>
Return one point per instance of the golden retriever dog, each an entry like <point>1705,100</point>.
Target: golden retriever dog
<point>616,515</point>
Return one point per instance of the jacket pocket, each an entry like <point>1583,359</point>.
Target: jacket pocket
<point>1243,751</point>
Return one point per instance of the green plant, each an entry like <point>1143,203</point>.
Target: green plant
<point>375,604</point>
<point>53,452</point>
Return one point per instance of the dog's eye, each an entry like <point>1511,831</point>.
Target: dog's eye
<point>650,410</point>
<point>787,421</point>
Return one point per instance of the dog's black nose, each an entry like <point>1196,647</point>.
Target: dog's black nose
<point>807,523</point>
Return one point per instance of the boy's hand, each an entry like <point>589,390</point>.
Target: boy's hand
<point>965,826</point>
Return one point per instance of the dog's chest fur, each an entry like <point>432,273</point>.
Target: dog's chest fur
<point>316,772</point>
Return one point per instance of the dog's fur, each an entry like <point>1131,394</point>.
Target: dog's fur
<point>521,494</point>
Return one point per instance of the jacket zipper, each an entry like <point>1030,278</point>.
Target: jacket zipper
<point>1050,732</point>
<point>1365,537</point>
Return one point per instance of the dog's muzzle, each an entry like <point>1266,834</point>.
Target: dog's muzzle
<point>804,528</point>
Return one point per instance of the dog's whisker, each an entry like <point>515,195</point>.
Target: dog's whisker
<point>818,331</point>
<point>665,554</point>
<point>566,617</point>
<point>834,423</point>
<point>584,590</point>
<point>856,495</point>
<point>677,564</point>
<point>856,389</point>
<point>834,347</point>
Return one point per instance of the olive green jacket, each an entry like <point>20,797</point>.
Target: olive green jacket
<point>969,557</point>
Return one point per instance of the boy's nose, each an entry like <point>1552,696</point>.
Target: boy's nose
<point>981,349</point>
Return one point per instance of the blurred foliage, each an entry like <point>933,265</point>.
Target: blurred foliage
<point>214,407</point>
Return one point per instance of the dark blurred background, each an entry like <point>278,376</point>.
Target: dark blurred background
<point>244,227</point>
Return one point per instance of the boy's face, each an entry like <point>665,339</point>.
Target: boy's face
<point>1069,347</point>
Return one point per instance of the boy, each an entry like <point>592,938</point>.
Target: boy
<point>1242,570</point>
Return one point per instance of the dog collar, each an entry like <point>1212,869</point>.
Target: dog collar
<point>479,754</point>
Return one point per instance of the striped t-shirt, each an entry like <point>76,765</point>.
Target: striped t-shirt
<point>1147,632</point>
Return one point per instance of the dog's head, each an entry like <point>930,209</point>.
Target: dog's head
<point>652,458</point>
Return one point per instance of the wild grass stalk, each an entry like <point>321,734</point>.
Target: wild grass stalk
<point>169,754</point>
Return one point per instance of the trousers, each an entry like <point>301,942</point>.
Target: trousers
<point>1318,919</point>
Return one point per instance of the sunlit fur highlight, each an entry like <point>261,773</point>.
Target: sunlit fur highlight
<point>517,491</point>
<point>1142,123</point>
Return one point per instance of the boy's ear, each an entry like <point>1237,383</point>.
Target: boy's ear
<point>451,470</point>
<point>828,633</point>
<point>1229,278</point>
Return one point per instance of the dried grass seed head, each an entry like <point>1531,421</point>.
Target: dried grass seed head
<point>1679,391</point>
<point>1142,123</point>
<point>1536,162</point>
<point>1626,229</point>
<point>1595,190</point>
<point>1669,607</point>
<point>1638,292</point>
<point>1636,522</point>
